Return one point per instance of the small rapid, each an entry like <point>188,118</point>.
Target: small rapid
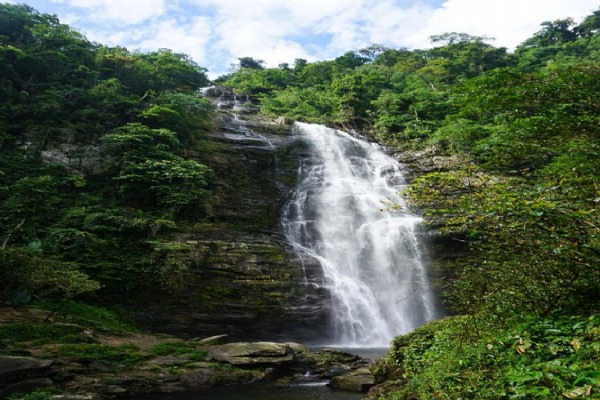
<point>371,259</point>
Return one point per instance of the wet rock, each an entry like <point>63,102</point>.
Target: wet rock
<point>283,121</point>
<point>171,360</point>
<point>297,348</point>
<point>359,380</point>
<point>69,396</point>
<point>114,390</point>
<point>256,353</point>
<point>81,158</point>
<point>217,377</point>
<point>214,91</point>
<point>18,369</point>
<point>329,356</point>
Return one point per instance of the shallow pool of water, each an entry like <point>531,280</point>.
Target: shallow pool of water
<point>312,391</point>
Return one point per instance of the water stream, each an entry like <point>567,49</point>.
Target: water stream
<point>371,258</point>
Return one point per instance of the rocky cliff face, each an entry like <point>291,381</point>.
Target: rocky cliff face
<point>243,278</point>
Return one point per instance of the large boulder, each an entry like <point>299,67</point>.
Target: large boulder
<point>14,369</point>
<point>359,380</point>
<point>256,353</point>
<point>23,374</point>
<point>283,121</point>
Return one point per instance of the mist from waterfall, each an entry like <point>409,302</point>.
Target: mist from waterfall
<point>371,259</point>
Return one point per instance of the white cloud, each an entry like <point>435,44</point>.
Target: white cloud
<point>509,21</point>
<point>129,12</point>
<point>191,38</point>
<point>216,32</point>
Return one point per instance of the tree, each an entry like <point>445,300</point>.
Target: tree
<point>552,33</point>
<point>299,64</point>
<point>350,60</point>
<point>251,63</point>
<point>149,173</point>
<point>372,52</point>
<point>26,275</point>
<point>185,114</point>
<point>589,27</point>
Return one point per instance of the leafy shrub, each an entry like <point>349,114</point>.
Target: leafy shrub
<point>551,358</point>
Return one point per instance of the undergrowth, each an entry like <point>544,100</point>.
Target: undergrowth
<point>38,395</point>
<point>24,335</point>
<point>96,318</point>
<point>555,357</point>
<point>116,356</point>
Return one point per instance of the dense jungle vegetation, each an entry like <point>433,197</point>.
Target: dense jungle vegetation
<point>101,159</point>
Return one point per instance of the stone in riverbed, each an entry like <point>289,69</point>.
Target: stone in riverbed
<point>23,375</point>
<point>360,380</point>
<point>252,353</point>
<point>281,120</point>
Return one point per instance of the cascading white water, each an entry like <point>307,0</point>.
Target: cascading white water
<point>371,259</point>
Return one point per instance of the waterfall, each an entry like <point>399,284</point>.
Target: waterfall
<point>371,259</point>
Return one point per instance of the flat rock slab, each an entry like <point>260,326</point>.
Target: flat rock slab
<point>14,369</point>
<point>360,380</point>
<point>252,353</point>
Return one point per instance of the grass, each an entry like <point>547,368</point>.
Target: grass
<point>22,335</point>
<point>195,351</point>
<point>115,356</point>
<point>170,348</point>
<point>72,343</point>
<point>96,318</point>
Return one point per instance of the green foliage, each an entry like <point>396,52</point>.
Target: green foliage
<point>551,358</point>
<point>150,173</point>
<point>196,351</point>
<point>98,319</point>
<point>249,62</point>
<point>123,356</point>
<point>26,271</point>
<point>515,229</point>
<point>459,135</point>
<point>23,335</point>
<point>37,395</point>
<point>183,113</point>
<point>166,348</point>
<point>530,117</point>
<point>310,105</point>
<point>71,222</point>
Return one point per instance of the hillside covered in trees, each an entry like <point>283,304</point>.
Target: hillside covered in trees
<point>103,160</point>
<point>68,220</point>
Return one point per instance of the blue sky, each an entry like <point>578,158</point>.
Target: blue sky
<point>216,32</point>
